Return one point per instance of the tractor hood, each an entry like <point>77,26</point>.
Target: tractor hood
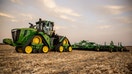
<point>19,36</point>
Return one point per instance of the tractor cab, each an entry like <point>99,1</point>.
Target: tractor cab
<point>44,26</point>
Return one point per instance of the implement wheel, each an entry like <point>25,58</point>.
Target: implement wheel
<point>28,49</point>
<point>61,49</point>
<point>121,50</point>
<point>97,49</point>
<point>37,39</point>
<point>110,50</point>
<point>45,49</point>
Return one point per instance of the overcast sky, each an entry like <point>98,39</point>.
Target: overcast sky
<point>93,20</point>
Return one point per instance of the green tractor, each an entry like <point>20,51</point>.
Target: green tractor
<point>38,38</point>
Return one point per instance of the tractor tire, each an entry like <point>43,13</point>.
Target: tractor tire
<point>28,49</point>
<point>65,42</point>
<point>18,49</point>
<point>69,49</point>
<point>61,48</point>
<point>45,49</point>
<point>37,39</point>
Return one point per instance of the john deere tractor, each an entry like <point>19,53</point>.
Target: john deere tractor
<point>38,38</point>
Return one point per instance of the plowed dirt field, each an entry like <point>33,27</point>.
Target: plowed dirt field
<point>75,62</point>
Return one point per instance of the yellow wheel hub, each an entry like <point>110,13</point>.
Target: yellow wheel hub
<point>61,48</point>
<point>45,49</point>
<point>70,49</point>
<point>37,40</point>
<point>65,41</point>
<point>28,49</point>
